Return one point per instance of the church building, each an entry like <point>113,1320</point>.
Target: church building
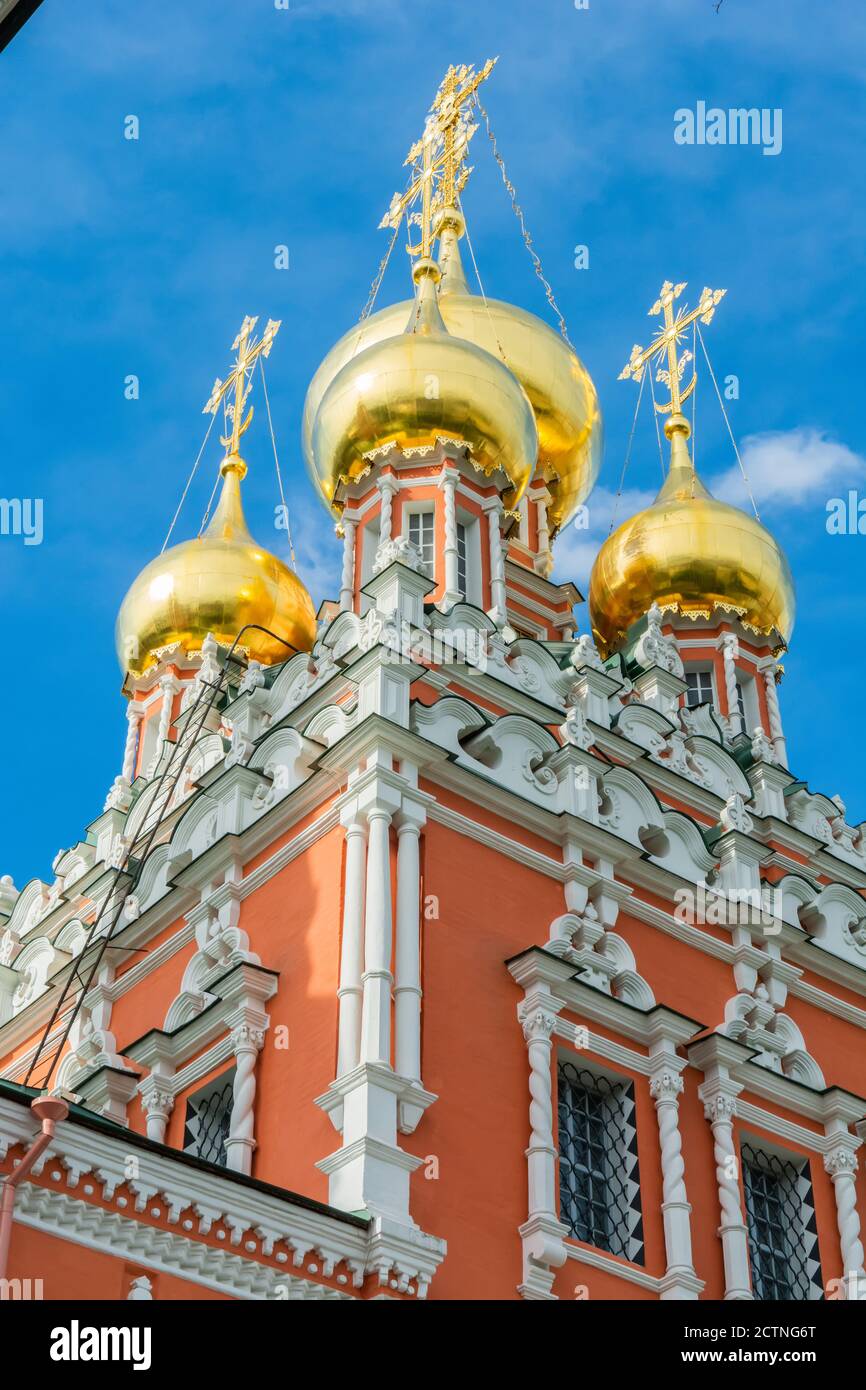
<point>433,943</point>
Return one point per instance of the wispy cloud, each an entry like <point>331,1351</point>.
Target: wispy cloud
<point>790,468</point>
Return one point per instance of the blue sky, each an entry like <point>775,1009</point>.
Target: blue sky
<point>262,126</point>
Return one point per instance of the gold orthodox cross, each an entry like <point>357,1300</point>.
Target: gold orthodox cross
<point>248,350</point>
<point>441,152</point>
<point>666,343</point>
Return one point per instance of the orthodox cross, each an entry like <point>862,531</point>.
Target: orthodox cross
<point>249,349</point>
<point>437,159</point>
<point>667,340</point>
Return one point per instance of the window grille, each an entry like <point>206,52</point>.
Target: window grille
<point>461,558</point>
<point>421,536</point>
<point>699,688</point>
<point>599,1186</point>
<point>208,1117</point>
<point>783,1238</point>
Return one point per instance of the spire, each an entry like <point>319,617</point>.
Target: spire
<point>682,480</point>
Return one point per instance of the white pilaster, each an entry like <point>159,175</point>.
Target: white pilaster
<point>666,1087</point>
<point>350,992</point>
<point>497,611</point>
<point>770,669</point>
<point>157,1104</point>
<point>407,989</point>
<point>377,978</point>
<point>347,579</point>
<point>729,648</point>
<point>714,1056</point>
<point>542,1234</point>
<point>169,688</point>
<point>247,1042</point>
<point>841,1164</point>
<point>134,715</point>
<point>448,483</point>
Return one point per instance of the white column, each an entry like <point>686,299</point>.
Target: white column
<point>377,979</point>
<point>169,687</point>
<point>134,715</point>
<point>157,1105</point>
<point>841,1164</point>
<point>730,647</point>
<point>247,1043</point>
<point>719,1107</point>
<point>407,989</point>
<point>448,484</point>
<point>542,500</point>
<point>543,1247</point>
<point>387,488</point>
<point>666,1087</point>
<point>497,612</point>
<point>769,671</point>
<point>347,579</point>
<point>350,992</point>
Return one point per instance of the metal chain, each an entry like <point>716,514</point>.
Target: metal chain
<point>380,275</point>
<point>730,431</point>
<point>518,213</point>
<point>277,464</point>
<point>188,484</point>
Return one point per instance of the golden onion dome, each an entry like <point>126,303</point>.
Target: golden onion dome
<point>560,389</point>
<point>691,553</point>
<point>217,583</point>
<point>413,387</point>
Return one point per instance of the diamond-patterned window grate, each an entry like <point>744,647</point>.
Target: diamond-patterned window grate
<point>599,1185</point>
<point>208,1116</point>
<point>783,1237</point>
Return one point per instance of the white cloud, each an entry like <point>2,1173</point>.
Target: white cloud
<point>790,468</point>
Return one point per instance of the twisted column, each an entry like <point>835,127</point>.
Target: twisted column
<point>377,978</point>
<point>774,713</point>
<point>387,488</point>
<point>538,1026</point>
<point>448,483</point>
<point>247,1042</point>
<point>168,686</point>
<point>497,564</point>
<point>719,1110</point>
<point>407,989</point>
<point>350,992</point>
<point>729,652</point>
<point>841,1164</point>
<point>134,715</point>
<point>347,579</point>
<point>666,1087</point>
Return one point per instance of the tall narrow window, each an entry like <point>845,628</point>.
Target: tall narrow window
<point>599,1189</point>
<point>741,706</point>
<point>461,558</point>
<point>699,689</point>
<point>208,1117</point>
<point>783,1242</point>
<point>421,536</point>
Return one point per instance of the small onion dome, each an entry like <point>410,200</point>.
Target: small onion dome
<point>690,553</point>
<point>215,584</point>
<point>415,387</point>
<point>560,390</point>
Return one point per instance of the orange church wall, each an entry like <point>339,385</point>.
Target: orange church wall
<point>474,1059</point>
<point>72,1271</point>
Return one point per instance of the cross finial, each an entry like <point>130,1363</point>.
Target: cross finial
<point>248,350</point>
<point>438,158</point>
<point>666,344</point>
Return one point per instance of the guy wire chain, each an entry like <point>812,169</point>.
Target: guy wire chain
<point>379,277</point>
<point>277,464</point>
<point>518,212</point>
<point>188,483</point>
<point>627,452</point>
<point>730,431</point>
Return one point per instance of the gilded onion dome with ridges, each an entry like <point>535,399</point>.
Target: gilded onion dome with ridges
<point>691,553</point>
<point>412,387</point>
<point>218,583</point>
<point>560,391</point>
